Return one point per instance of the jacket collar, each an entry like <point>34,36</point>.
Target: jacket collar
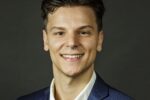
<point>100,89</point>
<point>98,92</point>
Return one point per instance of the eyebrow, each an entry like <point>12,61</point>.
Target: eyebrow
<point>81,27</point>
<point>55,27</point>
<point>86,26</point>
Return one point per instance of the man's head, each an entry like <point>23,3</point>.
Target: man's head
<point>50,6</point>
<point>72,36</point>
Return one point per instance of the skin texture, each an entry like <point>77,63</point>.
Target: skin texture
<point>72,39</point>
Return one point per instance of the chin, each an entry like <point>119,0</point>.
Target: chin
<point>72,73</point>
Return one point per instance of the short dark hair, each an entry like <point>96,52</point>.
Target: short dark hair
<point>50,6</point>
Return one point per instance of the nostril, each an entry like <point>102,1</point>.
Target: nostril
<point>72,46</point>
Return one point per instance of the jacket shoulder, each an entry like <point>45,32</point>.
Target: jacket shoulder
<point>115,94</point>
<point>102,91</point>
<point>42,94</point>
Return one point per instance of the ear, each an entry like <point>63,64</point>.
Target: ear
<point>100,41</point>
<point>45,40</point>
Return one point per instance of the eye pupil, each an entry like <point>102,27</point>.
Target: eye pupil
<point>84,33</point>
<point>60,33</point>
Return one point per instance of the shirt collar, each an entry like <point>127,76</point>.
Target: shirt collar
<point>52,90</point>
<point>83,95</point>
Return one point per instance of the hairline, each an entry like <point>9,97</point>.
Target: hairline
<point>70,5</point>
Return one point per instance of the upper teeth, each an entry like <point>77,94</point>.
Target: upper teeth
<point>72,56</point>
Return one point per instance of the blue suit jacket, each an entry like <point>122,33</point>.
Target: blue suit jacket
<point>100,91</point>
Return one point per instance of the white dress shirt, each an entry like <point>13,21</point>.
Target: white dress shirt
<point>83,95</point>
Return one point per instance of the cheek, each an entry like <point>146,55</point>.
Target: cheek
<point>90,44</point>
<point>91,49</point>
<point>54,49</point>
<point>54,44</point>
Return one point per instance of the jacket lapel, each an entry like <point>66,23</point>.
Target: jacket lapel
<point>46,94</point>
<point>100,90</point>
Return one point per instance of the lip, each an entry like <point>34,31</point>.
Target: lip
<point>72,57</point>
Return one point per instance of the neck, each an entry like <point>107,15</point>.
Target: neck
<point>67,87</point>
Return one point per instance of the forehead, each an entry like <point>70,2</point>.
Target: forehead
<point>72,16</point>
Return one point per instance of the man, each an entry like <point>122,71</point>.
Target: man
<point>72,34</point>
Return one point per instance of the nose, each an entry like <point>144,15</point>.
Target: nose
<point>72,41</point>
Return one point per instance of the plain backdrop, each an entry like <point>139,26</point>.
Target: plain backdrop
<point>124,62</point>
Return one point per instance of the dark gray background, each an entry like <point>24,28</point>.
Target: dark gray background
<point>124,62</point>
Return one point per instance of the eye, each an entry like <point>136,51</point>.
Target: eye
<point>84,33</point>
<point>59,33</point>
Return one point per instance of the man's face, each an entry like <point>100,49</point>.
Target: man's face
<point>72,39</point>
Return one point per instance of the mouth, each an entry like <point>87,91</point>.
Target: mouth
<point>72,57</point>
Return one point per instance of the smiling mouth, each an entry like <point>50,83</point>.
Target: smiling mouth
<point>72,57</point>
